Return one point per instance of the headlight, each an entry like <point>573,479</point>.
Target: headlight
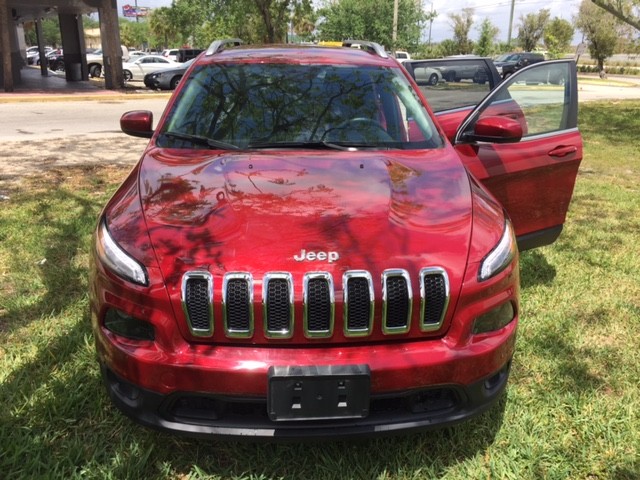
<point>116,259</point>
<point>500,257</point>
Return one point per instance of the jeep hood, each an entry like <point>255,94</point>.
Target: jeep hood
<point>316,211</point>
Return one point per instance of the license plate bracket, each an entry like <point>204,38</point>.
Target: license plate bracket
<point>299,393</point>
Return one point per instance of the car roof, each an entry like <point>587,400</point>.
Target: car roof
<point>298,54</point>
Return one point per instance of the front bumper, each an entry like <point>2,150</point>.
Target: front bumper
<point>200,415</point>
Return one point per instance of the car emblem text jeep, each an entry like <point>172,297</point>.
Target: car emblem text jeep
<point>321,256</point>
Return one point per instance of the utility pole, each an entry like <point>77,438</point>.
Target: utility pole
<point>394,34</point>
<point>430,23</point>
<point>513,3</point>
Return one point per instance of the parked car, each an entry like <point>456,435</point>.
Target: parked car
<point>95,61</point>
<point>171,54</point>
<point>509,63</point>
<point>137,69</point>
<point>166,79</point>
<point>33,55</point>
<point>56,61</point>
<point>449,95</point>
<point>302,253</point>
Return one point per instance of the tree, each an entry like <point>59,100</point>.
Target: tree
<point>371,20</point>
<point>627,11</point>
<point>486,42</point>
<point>461,24</point>
<point>162,26</point>
<point>50,32</point>
<point>557,36</point>
<point>133,33</point>
<point>531,29</point>
<point>601,31</point>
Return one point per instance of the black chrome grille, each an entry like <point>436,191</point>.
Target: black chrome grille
<point>318,303</point>
<point>238,304</point>
<point>197,291</point>
<point>396,301</point>
<point>278,306</point>
<point>435,297</point>
<point>358,303</point>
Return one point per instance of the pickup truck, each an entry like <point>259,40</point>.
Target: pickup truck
<point>95,61</point>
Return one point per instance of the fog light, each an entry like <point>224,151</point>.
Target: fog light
<point>494,319</point>
<point>127,326</point>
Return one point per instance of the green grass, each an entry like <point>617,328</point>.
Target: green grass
<point>572,407</point>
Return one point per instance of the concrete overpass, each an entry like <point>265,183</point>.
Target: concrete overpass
<point>14,14</point>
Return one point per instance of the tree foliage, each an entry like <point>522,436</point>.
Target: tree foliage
<point>557,36</point>
<point>531,29</point>
<point>198,22</point>
<point>627,11</point>
<point>601,30</point>
<point>134,34</point>
<point>486,44</point>
<point>461,24</point>
<point>372,20</point>
<point>50,33</point>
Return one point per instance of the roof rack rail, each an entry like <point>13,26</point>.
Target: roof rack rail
<point>219,45</point>
<point>371,47</point>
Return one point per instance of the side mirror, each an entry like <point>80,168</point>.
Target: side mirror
<point>138,123</point>
<point>495,129</point>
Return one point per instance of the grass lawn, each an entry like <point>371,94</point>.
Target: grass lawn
<point>572,410</point>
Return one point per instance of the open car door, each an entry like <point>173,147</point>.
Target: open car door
<point>522,142</point>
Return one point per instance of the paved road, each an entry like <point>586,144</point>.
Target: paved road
<point>37,120</point>
<point>25,121</point>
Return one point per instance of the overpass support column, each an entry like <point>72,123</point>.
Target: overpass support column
<point>6,69</point>
<point>75,61</point>
<point>111,45</point>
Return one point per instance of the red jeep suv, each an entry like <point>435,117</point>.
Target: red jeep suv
<point>302,252</point>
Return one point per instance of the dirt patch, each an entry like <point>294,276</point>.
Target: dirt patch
<point>20,160</point>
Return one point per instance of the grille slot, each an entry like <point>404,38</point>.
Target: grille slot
<point>396,301</point>
<point>237,304</point>
<point>278,305</point>
<point>197,302</point>
<point>434,292</point>
<point>358,303</point>
<point>319,304</point>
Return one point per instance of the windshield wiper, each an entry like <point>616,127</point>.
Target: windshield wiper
<point>198,140</point>
<point>312,145</point>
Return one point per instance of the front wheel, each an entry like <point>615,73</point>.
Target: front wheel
<point>174,82</point>
<point>433,79</point>
<point>95,71</point>
<point>128,76</point>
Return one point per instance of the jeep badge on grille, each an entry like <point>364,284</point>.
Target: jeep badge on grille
<point>305,256</point>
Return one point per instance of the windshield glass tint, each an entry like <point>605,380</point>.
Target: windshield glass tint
<point>260,106</point>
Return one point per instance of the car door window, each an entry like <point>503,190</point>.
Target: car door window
<point>460,83</point>
<point>539,98</point>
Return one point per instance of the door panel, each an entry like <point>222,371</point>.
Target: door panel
<point>534,177</point>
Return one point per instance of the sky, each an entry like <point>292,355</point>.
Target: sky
<point>497,11</point>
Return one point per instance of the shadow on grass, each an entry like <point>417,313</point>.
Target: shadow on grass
<point>535,269</point>
<point>57,273</point>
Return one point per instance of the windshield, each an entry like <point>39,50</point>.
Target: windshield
<point>290,106</point>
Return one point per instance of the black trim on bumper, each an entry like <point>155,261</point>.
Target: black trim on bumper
<point>199,415</point>
<point>539,238</point>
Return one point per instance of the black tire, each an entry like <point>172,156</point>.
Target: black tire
<point>433,79</point>
<point>128,76</point>
<point>95,71</point>
<point>174,82</point>
<point>58,66</point>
